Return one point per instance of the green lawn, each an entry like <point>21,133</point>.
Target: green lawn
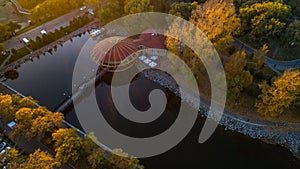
<point>9,13</point>
<point>279,50</point>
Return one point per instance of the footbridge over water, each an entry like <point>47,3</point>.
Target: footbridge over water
<point>90,84</point>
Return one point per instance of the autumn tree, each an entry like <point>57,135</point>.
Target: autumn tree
<point>275,99</point>
<point>67,145</point>
<point>137,6</point>
<point>96,159</point>
<point>111,10</point>
<point>53,8</point>
<point>95,155</point>
<point>264,20</point>
<point>40,159</point>
<point>29,4</point>
<point>237,78</point>
<point>217,19</point>
<point>178,29</point>
<point>14,159</point>
<point>36,122</point>
<point>259,56</point>
<point>183,9</point>
<point>122,160</point>
<point>10,104</point>
<point>237,63</point>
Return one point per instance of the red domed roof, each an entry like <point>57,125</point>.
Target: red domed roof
<point>113,50</point>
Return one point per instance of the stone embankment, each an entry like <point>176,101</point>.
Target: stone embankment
<point>284,134</point>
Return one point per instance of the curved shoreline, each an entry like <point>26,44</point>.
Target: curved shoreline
<point>284,134</point>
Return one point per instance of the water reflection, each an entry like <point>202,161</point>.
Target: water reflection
<point>49,80</point>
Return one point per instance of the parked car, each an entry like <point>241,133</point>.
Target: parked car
<point>11,124</point>
<point>3,145</point>
<point>3,160</point>
<point>3,151</point>
<point>6,149</point>
<point>83,8</point>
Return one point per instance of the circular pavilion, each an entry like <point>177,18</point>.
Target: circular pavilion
<point>115,52</point>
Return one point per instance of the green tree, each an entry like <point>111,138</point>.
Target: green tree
<point>293,31</point>
<point>2,47</point>
<point>218,21</point>
<point>96,158</point>
<point>264,20</point>
<point>4,32</point>
<point>53,8</point>
<point>237,78</point>
<point>122,160</point>
<point>40,159</point>
<point>134,6</point>
<point>13,26</point>
<point>111,10</point>
<point>183,9</point>
<point>275,99</point>
<point>67,145</point>
<point>36,122</point>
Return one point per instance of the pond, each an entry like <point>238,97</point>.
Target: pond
<point>49,80</point>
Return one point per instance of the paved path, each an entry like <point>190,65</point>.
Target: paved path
<point>20,8</point>
<point>275,65</point>
<point>50,26</point>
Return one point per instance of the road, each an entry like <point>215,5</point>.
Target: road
<point>50,26</point>
<point>275,65</point>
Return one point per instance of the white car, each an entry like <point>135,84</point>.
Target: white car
<point>83,8</point>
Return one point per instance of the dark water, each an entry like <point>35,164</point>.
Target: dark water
<point>49,80</point>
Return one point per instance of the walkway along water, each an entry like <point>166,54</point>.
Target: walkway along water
<point>284,134</point>
<point>275,65</point>
<point>80,132</point>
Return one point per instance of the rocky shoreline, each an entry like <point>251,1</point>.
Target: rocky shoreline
<point>284,134</point>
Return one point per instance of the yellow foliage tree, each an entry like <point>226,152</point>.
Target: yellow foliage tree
<point>40,159</point>
<point>14,159</point>
<point>67,145</point>
<point>275,99</point>
<point>134,6</point>
<point>179,30</point>
<point>237,63</point>
<point>259,56</point>
<point>36,122</point>
<point>10,104</point>
<point>218,21</point>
